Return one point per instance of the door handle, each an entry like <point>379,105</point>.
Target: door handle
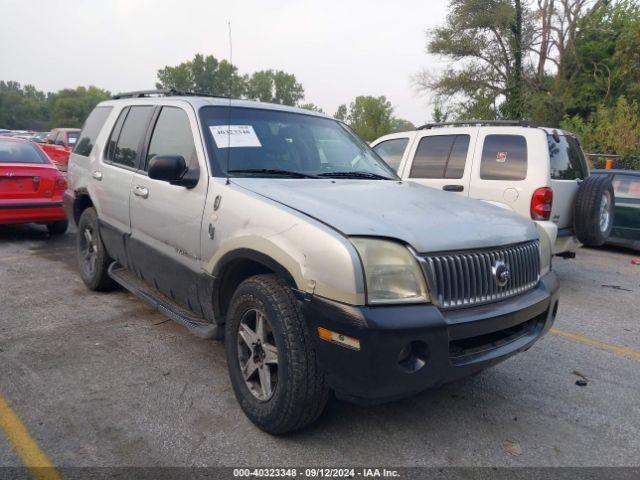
<point>453,188</point>
<point>141,191</point>
<point>97,175</point>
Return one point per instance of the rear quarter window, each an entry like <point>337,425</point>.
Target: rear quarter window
<point>504,157</point>
<point>567,159</point>
<point>92,126</point>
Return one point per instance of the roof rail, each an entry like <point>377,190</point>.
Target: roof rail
<point>479,123</point>
<point>170,92</point>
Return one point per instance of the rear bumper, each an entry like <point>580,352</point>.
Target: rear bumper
<point>31,212</point>
<point>451,344</point>
<point>68,201</point>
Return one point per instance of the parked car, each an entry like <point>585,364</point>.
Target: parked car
<point>626,217</point>
<point>279,228</point>
<point>533,171</point>
<point>31,187</point>
<point>59,144</point>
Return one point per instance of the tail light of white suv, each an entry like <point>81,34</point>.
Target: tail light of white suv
<point>541,203</point>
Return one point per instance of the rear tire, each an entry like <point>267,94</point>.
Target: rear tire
<point>58,228</point>
<point>93,258</point>
<point>593,210</point>
<point>296,393</point>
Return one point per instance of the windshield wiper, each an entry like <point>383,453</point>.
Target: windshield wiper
<point>368,175</point>
<point>274,171</point>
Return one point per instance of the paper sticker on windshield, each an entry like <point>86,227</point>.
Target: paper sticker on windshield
<point>234,136</point>
<point>501,157</point>
<point>71,140</point>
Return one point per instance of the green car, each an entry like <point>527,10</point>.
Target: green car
<point>626,221</point>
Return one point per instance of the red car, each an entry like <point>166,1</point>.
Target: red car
<point>59,144</point>
<point>31,187</point>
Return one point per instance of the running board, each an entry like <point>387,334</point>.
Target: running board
<point>163,304</point>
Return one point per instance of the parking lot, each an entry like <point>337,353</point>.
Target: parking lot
<point>102,380</point>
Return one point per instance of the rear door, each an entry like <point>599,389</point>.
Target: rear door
<point>568,168</point>
<point>112,181</point>
<point>166,219</point>
<point>442,159</point>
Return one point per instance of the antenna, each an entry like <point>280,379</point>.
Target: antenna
<point>229,108</point>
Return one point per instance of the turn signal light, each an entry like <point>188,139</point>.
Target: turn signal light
<point>541,203</point>
<point>338,338</point>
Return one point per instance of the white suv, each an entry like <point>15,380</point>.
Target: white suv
<point>535,172</point>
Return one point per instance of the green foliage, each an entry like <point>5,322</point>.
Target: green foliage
<point>370,117</point>
<point>401,125</point>
<point>610,129</point>
<point>274,87</point>
<point>311,106</point>
<point>207,75</point>
<point>26,108</point>
<point>22,108</point>
<point>203,74</point>
<point>70,108</point>
<point>486,40</point>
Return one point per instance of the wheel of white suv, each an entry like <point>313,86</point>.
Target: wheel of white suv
<point>271,357</point>
<point>57,228</point>
<point>93,259</point>
<point>593,210</point>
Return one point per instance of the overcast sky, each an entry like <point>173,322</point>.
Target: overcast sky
<point>336,49</point>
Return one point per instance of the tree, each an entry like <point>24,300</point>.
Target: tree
<point>203,74</point>
<point>311,106</point>
<point>370,117</point>
<point>274,87</point>
<point>70,107</point>
<point>487,40</point>
<point>401,125</point>
<point>22,108</point>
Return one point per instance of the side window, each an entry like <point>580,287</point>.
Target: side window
<point>392,151</point>
<point>504,157</point>
<point>91,129</point>
<point>626,186</point>
<point>126,149</point>
<point>60,138</point>
<point>172,135</point>
<point>567,160</point>
<point>51,136</point>
<point>440,156</point>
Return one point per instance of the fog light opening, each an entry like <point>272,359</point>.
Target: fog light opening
<point>413,356</point>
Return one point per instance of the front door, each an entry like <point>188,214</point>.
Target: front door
<point>166,219</point>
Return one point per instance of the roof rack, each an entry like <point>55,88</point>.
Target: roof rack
<point>170,92</point>
<point>479,123</point>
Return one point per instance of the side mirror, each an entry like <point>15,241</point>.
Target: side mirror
<point>172,169</point>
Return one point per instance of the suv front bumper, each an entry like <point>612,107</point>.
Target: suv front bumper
<point>447,344</point>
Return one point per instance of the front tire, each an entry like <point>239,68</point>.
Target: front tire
<point>271,357</point>
<point>93,259</point>
<point>58,228</point>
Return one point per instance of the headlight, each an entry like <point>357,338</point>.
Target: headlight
<point>545,251</point>
<point>392,272</point>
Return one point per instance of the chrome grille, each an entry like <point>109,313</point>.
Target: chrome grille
<point>466,278</point>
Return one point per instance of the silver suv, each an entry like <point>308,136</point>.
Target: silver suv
<point>281,231</point>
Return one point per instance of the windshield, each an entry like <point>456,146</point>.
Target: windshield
<point>257,142</point>
<point>72,137</point>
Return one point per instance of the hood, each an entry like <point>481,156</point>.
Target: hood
<point>429,220</point>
